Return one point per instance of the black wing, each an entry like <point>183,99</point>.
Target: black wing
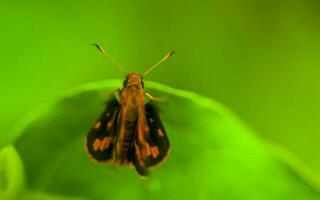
<point>156,146</point>
<point>157,137</point>
<point>100,139</point>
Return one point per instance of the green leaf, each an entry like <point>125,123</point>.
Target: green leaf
<point>11,173</point>
<point>31,195</point>
<point>213,155</point>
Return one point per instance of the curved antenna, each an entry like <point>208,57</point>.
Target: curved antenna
<point>110,58</point>
<point>161,61</point>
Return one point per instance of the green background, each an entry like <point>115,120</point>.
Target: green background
<point>258,58</point>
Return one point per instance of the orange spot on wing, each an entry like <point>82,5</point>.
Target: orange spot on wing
<point>101,145</point>
<point>154,151</point>
<point>97,125</point>
<point>147,129</point>
<point>160,133</point>
<point>138,155</point>
<point>96,144</point>
<point>110,122</point>
<point>105,143</point>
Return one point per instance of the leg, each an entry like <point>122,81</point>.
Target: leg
<point>154,99</point>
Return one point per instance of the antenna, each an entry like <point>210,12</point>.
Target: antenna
<point>110,58</point>
<point>161,61</point>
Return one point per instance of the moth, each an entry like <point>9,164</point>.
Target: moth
<point>129,131</point>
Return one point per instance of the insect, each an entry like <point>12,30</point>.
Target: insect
<point>129,131</point>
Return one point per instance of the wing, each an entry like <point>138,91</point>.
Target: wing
<point>152,144</point>
<point>100,139</point>
<point>157,138</point>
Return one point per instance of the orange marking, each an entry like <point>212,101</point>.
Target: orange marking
<point>105,143</point>
<point>96,144</point>
<point>97,125</point>
<point>137,151</point>
<point>160,133</point>
<point>147,129</point>
<point>154,151</point>
<point>110,123</point>
<point>138,154</point>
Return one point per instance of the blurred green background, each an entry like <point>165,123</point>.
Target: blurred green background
<point>260,58</point>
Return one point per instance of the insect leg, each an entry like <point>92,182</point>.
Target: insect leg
<point>155,99</point>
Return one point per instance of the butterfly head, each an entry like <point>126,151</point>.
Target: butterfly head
<point>133,80</point>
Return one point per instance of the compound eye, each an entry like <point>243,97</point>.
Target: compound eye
<point>125,82</point>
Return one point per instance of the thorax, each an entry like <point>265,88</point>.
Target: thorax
<point>132,101</point>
